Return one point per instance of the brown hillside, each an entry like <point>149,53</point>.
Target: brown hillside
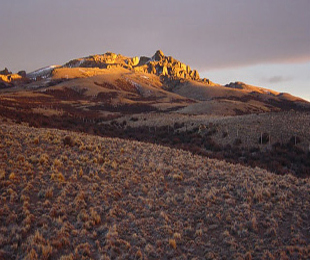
<point>73,196</point>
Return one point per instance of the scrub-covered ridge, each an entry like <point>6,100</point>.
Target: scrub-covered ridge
<point>66,195</point>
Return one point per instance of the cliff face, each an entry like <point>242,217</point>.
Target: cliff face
<point>9,79</point>
<point>162,65</point>
<point>159,64</point>
<point>104,61</point>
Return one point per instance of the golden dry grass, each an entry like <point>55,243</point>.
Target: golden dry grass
<point>91,78</point>
<point>108,198</point>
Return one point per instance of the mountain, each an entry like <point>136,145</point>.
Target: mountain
<point>159,64</point>
<point>157,83</point>
<point>109,86</point>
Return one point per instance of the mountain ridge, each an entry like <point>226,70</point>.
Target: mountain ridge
<point>170,70</point>
<point>158,64</point>
<point>152,83</point>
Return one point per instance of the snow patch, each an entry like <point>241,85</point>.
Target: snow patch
<point>43,72</point>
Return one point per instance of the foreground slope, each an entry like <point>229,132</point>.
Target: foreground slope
<point>74,196</point>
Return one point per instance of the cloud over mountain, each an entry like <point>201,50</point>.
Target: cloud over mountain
<point>218,34</point>
<point>277,79</point>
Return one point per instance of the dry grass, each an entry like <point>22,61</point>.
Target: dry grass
<point>281,126</point>
<point>108,198</point>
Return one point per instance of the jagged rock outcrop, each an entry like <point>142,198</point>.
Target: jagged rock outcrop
<point>135,61</point>
<point>162,65</point>
<point>158,64</point>
<point>236,85</point>
<point>5,72</point>
<point>159,56</point>
<point>9,77</point>
<point>144,60</point>
<point>104,61</point>
<point>22,73</point>
<point>101,61</point>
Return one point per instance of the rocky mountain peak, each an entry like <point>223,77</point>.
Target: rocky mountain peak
<point>159,55</point>
<point>5,72</point>
<point>158,64</point>
<point>167,66</point>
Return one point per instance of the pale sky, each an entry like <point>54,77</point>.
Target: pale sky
<point>259,42</point>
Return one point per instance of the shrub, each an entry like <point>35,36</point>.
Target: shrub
<point>12,176</point>
<point>68,141</point>
<point>44,159</point>
<point>237,142</point>
<point>178,125</point>
<point>172,243</point>
<point>2,174</point>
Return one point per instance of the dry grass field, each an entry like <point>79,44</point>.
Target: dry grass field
<point>278,142</point>
<point>65,195</point>
<point>281,126</point>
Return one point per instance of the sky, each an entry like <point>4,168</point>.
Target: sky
<point>260,42</point>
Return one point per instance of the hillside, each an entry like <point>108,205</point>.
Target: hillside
<point>74,196</point>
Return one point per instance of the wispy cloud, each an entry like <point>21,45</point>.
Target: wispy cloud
<point>277,79</point>
<point>206,35</point>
